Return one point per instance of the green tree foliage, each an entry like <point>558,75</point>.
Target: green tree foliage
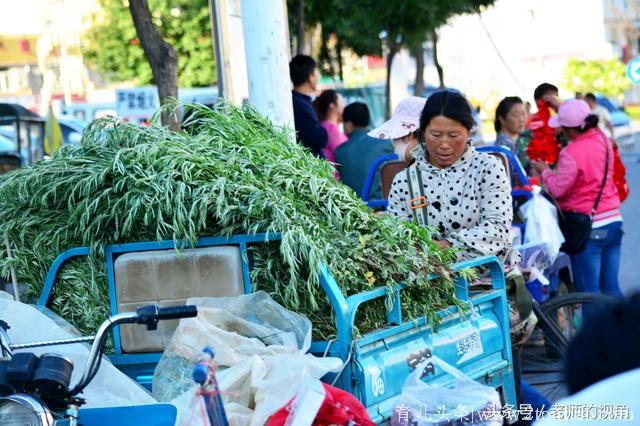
<point>112,46</point>
<point>606,77</point>
<point>359,24</point>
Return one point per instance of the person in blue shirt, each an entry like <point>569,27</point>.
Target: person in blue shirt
<point>359,152</point>
<point>304,76</point>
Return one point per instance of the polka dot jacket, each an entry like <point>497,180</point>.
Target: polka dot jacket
<point>469,204</point>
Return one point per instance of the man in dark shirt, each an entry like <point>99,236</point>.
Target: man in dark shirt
<point>356,156</point>
<point>304,75</point>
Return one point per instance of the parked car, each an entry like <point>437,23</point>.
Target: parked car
<point>7,144</point>
<point>72,129</point>
<point>25,130</point>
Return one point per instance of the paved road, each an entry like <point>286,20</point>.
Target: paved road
<point>630,259</point>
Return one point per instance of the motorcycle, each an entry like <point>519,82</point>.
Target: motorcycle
<point>35,390</point>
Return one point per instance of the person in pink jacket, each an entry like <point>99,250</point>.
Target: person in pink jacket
<point>576,184</point>
<point>329,106</point>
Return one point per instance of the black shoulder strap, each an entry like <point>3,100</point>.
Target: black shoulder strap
<point>604,180</point>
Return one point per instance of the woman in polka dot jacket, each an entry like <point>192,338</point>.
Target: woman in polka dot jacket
<point>468,195</point>
<point>468,202</point>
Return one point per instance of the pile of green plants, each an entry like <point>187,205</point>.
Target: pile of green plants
<point>230,171</point>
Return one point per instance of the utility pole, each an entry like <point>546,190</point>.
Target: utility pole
<point>267,53</point>
<point>226,16</point>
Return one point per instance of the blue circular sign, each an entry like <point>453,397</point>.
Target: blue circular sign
<point>633,70</point>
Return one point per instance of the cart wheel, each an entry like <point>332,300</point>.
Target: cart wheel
<point>562,318</point>
<point>559,318</point>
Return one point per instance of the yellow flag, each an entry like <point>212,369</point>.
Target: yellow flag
<point>52,134</point>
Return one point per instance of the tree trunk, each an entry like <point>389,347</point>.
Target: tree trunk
<point>300,27</point>
<point>340,64</point>
<point>418,86</point>
<point>393,49</point>
<point>162,58</point>
<point>434,39</point>
<point>213,13</point>
<point>324,58</point>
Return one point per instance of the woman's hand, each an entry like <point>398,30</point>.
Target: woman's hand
<point>552,100</point>
<point>408,155</point>
<point>539,166</point>
<point>443,244</point>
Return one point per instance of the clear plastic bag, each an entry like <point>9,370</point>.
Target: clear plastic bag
<point>543,237</point>
<point>260,352</point>
<point>535,257</point>
<point>426,404</point>
<point>237,328</point>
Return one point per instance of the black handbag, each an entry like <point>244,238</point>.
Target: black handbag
<point>576,227</point>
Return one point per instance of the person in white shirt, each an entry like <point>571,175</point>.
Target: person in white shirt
<point>604,118</point>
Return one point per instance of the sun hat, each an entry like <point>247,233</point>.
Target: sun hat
<point>405,119</point>
<point>570,114</point>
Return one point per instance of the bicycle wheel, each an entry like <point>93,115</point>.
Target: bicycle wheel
<point>559,318</point>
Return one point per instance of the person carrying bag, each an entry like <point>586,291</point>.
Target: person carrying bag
<point>576,227</point>
<point>588,199</point>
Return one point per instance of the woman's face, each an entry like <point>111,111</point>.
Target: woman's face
<point>446,141</point>
<point>338,108</point>
<point>515,120</point>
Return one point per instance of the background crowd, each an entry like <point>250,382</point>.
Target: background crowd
<point>465,194</point>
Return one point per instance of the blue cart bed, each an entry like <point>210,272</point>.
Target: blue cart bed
<point>376,363</point>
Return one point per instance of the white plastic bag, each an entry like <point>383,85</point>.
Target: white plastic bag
<point>237,328</point>
<point>260,349</point>
<point>466,403</point>
<point>541,218</point>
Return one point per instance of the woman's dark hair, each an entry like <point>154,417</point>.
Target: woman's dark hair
<point>591,122</point>
<point>450,104</point>
<point>323,101</point>
<point>503,110</point>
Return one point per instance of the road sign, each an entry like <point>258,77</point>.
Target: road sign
<point>633,70</point>
<point>138,103</point>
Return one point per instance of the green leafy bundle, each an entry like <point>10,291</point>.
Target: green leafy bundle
<point>229,172</point>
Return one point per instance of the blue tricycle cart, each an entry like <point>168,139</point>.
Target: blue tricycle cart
<point>376,364</point>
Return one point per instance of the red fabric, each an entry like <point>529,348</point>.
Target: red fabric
<point>619,175</point>
<point>543,145</point>
<point>339,408</point>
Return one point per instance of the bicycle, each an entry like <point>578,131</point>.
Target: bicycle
<point>559,318</point>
